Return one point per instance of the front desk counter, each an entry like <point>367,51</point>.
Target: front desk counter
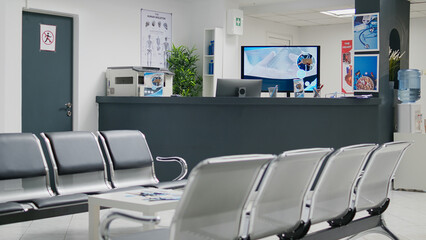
<point>197,128</point>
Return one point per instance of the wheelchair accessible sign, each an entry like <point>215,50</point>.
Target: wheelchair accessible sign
<point>47,38</point>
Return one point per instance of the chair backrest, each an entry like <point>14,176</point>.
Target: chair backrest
<point>280,203</point>
<point>212,202</point>
<point>333,196</point>
<point>373,188</point>
<point>77,161</point>
<point>23,168</point>
<point>129,158</point>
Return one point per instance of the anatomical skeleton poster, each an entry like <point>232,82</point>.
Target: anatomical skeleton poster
<point>156,38</point>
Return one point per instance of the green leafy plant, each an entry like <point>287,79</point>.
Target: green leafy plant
<point>394,63</point>
<point>182,62</point>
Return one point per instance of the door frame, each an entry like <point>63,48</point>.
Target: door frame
<point>75,82</point>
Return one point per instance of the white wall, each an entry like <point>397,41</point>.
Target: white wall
<point>10,62</point>
<point>417,52</point>
<point>108,35</point>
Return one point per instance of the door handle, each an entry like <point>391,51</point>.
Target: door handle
<point>68,105</point>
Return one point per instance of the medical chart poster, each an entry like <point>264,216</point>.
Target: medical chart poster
<point>156,38</point>
<point>366,32</point>
<point>346,68</point>
<point>366,73</point>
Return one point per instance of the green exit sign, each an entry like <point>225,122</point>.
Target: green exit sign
<point>238,22</point>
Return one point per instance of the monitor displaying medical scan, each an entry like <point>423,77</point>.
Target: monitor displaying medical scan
<point>280,65</point>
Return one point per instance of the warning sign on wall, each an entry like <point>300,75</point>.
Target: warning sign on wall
<point>47,37</point>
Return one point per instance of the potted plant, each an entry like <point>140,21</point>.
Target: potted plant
<point>182,62</point>
<point>394,65</point>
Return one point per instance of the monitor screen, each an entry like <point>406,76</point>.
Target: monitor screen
<point>238,87</point>
<point>280,65</point>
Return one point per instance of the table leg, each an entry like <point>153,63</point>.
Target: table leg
<point>94,221</point>
<point>149,226</point>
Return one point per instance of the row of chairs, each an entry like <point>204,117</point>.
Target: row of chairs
<point>256,196</point>
<point>32,187</point>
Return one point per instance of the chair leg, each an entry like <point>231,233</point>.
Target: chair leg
<point>380,229</point>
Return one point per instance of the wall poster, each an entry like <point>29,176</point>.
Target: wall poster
<point>366,73</point>
<point>346,69</point>
<point>366,32</point>
<point>156,38</point>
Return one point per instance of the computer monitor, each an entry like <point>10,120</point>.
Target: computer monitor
<point>238,87</point>
<point>280,65</point>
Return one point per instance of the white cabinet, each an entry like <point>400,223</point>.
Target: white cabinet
<point>215,36</point>
<point>411,172</point>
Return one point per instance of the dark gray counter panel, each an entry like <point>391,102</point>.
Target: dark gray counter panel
<point>198,128</point>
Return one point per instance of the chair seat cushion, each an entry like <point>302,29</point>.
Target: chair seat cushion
<point>10,207</point>
<point>156,234</point>
<point>60,200</point>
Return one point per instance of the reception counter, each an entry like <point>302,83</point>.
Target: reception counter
<point>198,128</point>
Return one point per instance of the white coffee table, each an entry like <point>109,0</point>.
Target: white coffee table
<point>131,200</point>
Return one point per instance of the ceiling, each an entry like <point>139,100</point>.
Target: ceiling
<point>308,12</point>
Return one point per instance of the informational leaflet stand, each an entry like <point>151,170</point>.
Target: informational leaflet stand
<point>154,83</point>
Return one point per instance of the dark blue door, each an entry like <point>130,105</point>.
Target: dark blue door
<point>46,75</point>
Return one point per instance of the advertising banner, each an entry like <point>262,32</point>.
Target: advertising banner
<point>346,68</point>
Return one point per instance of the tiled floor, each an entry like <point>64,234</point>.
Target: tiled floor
<point>406,217</point>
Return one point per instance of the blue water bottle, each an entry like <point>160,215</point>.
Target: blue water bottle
<point>211,67</point>
<point>212,47</point>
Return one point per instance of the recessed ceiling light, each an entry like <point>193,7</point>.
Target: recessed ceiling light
<point>341,13</point>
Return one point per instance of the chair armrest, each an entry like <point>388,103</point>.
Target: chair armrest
<point>181,161</point>
<point>105,224</point>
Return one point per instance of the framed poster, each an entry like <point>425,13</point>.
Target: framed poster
<point>346,68</point>
<point>156,38</point>
<point>366,32</point>
<point>366,73</point>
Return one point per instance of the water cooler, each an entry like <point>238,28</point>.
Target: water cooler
<point>409,115</point>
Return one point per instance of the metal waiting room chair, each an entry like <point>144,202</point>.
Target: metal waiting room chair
<point>279,205</point>
<point>333,199</point>
<point>130,160</point>
<point>373,188</point>
<point>78,163</point>
<point>212,202</point>
<point>24,179</point>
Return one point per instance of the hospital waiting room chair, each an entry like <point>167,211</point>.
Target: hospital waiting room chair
<point>373,189</point>
<point>333,197</point>
<point>212,202</point>
<point>279,205</point>
<point>131,163</point>
<point>78,163</point>
<point>25,191</point>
